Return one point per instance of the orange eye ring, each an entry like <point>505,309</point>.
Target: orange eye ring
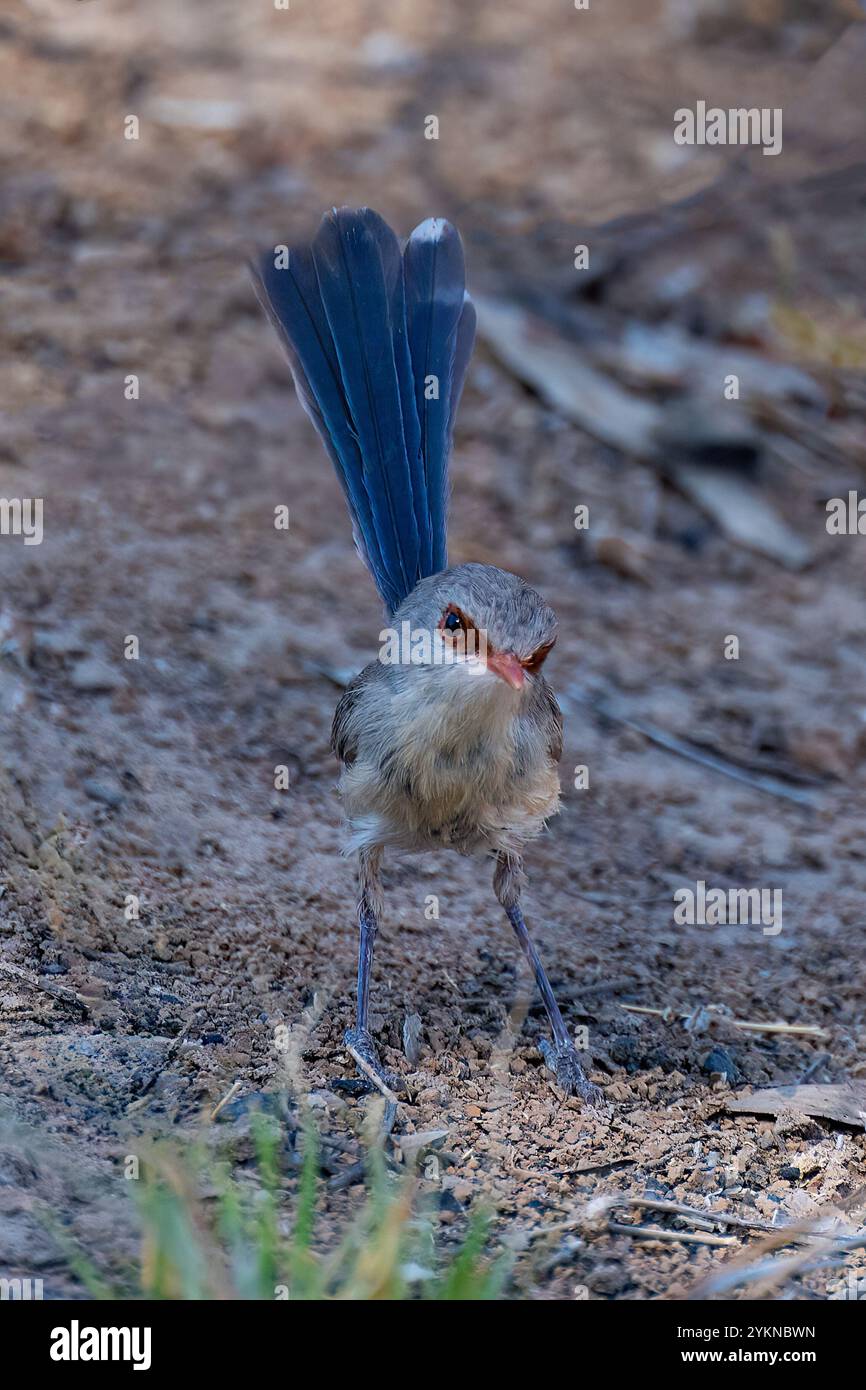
<point>453,622</point>
<point>538,658</point>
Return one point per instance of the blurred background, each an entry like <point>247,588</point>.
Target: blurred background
<point>601,387</point>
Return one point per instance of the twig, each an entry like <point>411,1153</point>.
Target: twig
<point>757,1265</point>
<point>61,993</point>
<point>679,1209</point>
<point>770,1273</point>
<point>610,1201</point>
<point>372,1076</point>
<point>619,1228</point>
<point>347,1177</point>
<point>229,1095</point>
<point>713,761</point>
<point>801,1030</point>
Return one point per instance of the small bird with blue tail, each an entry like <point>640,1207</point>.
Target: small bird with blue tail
<point>451,737</point>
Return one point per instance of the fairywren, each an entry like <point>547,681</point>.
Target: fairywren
<point>451,737</point>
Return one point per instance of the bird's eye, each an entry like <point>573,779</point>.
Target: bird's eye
<point>456,624</point>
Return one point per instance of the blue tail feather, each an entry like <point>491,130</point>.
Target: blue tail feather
<point>290,296</point>
<point>462,353</point>
<point>433,268</point>
<point>365,330</point>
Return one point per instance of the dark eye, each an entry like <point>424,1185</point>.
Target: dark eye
<point>455,622</point>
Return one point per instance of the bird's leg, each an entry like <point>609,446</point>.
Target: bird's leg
<point>560,1056</point>
<point>370,905</point>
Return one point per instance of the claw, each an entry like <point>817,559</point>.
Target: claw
<point>361,1041</point>
<point>562,1061</point>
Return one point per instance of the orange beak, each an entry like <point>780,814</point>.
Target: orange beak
<point>506,665</point>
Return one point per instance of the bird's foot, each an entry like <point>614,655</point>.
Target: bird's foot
<point>360,1041</point>
<point>562,1060</point>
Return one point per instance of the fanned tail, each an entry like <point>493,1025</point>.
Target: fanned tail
<point>434,274</point>
<point>379,344</point>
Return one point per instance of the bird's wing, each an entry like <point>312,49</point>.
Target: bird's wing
<point>551,716</point>
<point>344,733</point>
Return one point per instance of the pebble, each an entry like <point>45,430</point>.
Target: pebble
<point>98,791</point>
<point>720,1062</point>
<point>94,675</point>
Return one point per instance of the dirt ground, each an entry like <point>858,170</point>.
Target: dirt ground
<point>155,777</point>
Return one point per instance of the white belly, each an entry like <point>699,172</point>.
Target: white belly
<point>451,773</point>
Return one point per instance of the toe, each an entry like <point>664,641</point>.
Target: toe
<point>564,1064</point>
<point>361,1041</point>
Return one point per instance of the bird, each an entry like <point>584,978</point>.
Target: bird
<point>451,736</point>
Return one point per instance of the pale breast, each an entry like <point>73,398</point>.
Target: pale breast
<point>437,769</point>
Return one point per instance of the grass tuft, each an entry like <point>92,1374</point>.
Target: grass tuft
<point>219,1229</point>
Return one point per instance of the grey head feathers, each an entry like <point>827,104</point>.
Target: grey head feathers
<point>513,616</point>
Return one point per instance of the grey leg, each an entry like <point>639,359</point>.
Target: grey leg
<point>561,1056</point>
<point>369,910</point>
<point>368,927</point>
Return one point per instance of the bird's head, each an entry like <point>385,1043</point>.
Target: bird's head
<point>481,623</point>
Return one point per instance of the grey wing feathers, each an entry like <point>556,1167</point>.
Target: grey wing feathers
<point>344,739</point>
<point>551,715</point>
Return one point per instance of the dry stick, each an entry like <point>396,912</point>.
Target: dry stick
<point>626,1199</point>
<point>770,1272</point>
<point>371,1076</point>
<point>61,993</point>
<point>758,1264</point>
<point>800,1030</point>
<point>347,1177</point>
<point>679,1209</point>
<point>771,1269</point>
<point>618,1228</point>
<point>229,1095</point>
<point>672,744</point>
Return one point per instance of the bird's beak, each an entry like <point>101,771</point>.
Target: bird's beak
<point>506,665</point>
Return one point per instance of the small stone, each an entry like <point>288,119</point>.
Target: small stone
<point>94,675</point>
<point>719,1062</point>
<point>448,1204</point>
<point>59,642</point>
<point>412,1038</point>
<point>98,791</point>
<point>413,1145</point>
